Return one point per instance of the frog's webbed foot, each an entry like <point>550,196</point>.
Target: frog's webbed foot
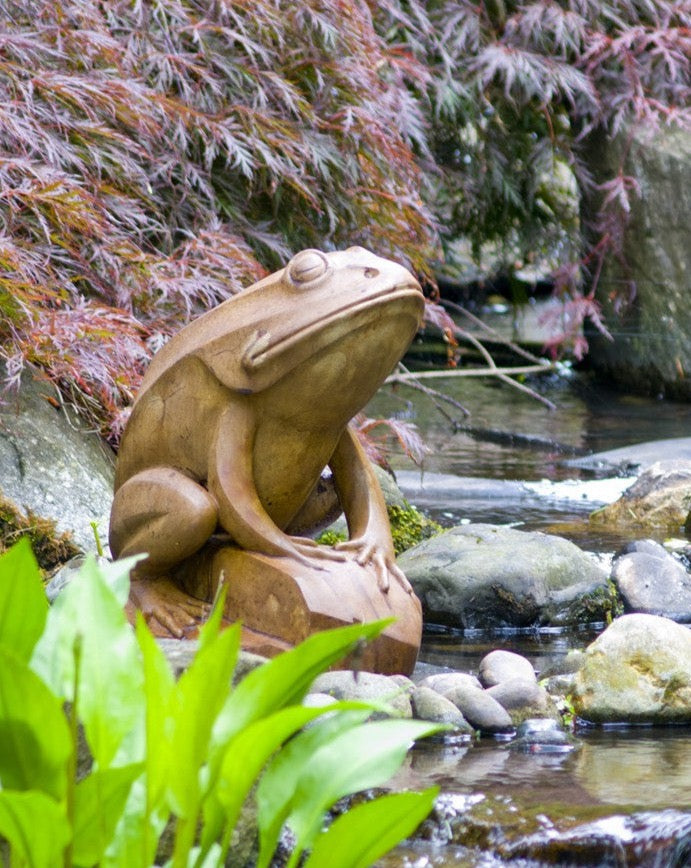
<point>167,609</point>
<point>369,553</point>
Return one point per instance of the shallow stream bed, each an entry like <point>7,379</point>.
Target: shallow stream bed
<point>622,797</point>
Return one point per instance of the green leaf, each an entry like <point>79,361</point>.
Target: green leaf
<point>366,832</point>
<point>159,686</point>
<point>200,694</point>
<point>35,742</point>
<point>116,575</point>
<point>285,679</point>
<point>357,759</point>
<point>99,802</point>
<point>212,626</point>
<point>249,751</point>
<point>89,617</point>
<point>136,837</point>
<point>35,826</point>
<point>23,602</point>
<point>277,785</point>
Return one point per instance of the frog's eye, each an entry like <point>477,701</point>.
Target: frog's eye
<point>306,267</point>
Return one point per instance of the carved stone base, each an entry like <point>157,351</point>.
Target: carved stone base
<point>280,604</point>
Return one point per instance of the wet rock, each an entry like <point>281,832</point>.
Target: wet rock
<point>659,498</point>
<point>366,686</point>
<point>473,820</point>
<point>483,576</point>
<point>648,839</point>
<point>429,705</point>
<point>542,735</point>
<point>559,685</point>
<point>500,665</point>
<point>444,681</point>
<point>636,457</point>
<point>523,698</point>
<point>653,581</point>
<point>637,671</point>
<point>50,465</point>
<point>482,711</point>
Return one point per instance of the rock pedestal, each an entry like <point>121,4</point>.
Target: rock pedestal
<point>280,605</point>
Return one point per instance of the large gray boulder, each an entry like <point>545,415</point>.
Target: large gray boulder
<point>637,671</point>
<point>50,465</point>
<point>651,351</point>
<point>482,576</point>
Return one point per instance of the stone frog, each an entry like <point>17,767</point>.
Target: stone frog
<point>240,413</point>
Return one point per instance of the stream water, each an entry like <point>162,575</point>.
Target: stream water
<point>622,797</point>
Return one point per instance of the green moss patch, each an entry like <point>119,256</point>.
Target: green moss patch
<point>410,527</point>
<point>50,547</point>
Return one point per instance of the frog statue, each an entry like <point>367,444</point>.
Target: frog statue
<point>224,463</point>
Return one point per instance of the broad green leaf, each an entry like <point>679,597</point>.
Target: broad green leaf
<point>357,759</point>
<point>35,742</point>
<point>285,679</point>
<point>212,859</point>
<point>116,575</point>
<point>35,826</point>
<point>199,695</point>
<point>98,805</point>
<point>277,785</point>
<point>249,751</point>
<point>159,685</point>
<point>135,841</point>
<point>366,832</point>
<point>23,602</point>
<point>87,622</point>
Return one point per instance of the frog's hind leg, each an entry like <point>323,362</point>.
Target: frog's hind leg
<point>164,514</point>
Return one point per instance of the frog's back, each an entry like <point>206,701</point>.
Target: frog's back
<point>228,324</point>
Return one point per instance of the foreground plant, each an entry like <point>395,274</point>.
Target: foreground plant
<point>185,754</point>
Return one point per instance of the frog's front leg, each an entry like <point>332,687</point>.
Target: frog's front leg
<point>365,511</point>
<point>241,512</point>
<point>168,516</point>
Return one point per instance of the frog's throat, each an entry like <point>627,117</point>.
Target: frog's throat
<point>264,347</point>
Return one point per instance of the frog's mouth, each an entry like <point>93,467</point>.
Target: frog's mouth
<point>267,345</point>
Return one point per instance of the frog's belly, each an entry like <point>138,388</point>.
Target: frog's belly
<point>287,465</point>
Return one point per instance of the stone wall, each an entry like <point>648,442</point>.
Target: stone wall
<point>652,348</point>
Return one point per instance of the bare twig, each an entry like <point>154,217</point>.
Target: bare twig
<point>520,351</point>
<point>410,379</point>
<point>471,372</point>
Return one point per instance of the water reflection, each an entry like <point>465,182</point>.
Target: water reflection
<point>587,419</point>
<point>650,769</point>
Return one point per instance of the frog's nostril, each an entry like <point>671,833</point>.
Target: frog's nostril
<point>306,266</point>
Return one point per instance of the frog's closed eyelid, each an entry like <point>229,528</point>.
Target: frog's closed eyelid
<point>307,267</point>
